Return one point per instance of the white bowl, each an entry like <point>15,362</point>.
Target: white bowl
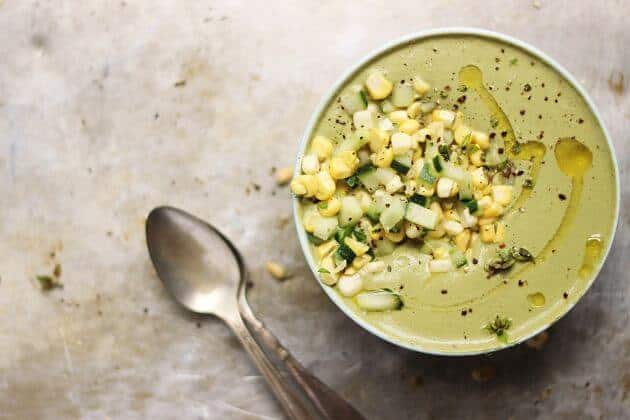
<point>343,80</point>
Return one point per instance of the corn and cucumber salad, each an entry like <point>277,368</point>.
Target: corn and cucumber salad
<point>411,172</point>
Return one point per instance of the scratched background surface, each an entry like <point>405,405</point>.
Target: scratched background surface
<point>94,133</point>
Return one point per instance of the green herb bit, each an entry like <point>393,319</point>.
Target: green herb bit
<point>323,205</point>
<point>521,254</point>
<point>48,282</point>
<point>444,152</point>
<point>502,262</point>
<point>359,235</point>
<point>514,61</point>
<point>323,271</point>
<point>516,148</point>
<point>499,327</point>
<point>528,183</point>
<point>364,98</point>
<point>443,94</point>
<point>462,88</point>
<point>353,181</point>
<point>494,123</point>
<point>420,200</point>
<point>472,206</point>
<point>341,233</point>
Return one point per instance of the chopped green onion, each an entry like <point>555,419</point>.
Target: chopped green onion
<point>472,206</point>
<point>343,232</point>
<point>353,181</point>
<point>314,239</point>
<point>359,234</point>
<point>323,271</point>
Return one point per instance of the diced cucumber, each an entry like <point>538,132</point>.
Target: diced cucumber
<point>313,239</point>
<point>402,163</point>
<point>393,213</point>
<point>421,216</point>
<point>418,199</point>
<point>454,172</point>
<point>352,101</point>
<point>402,95</point>
<point>387,107</point>
<point>350,212</point>
<point>354,142</point>
<point>437,163</point>
<point>428,176</point>
<point>466,188</point>
<point>345,253</point>
<point>379,300</point>
<point>458,258</point>
<point>385,175</point>
<point>384,247</point>
<point>472,205</point>
<point>325,227</point>
<point>372,213</point>
<point>431,150</point>
<point>369,180</point>
<point>399,167</point>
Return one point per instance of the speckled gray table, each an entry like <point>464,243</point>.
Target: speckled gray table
<point>94,133</point>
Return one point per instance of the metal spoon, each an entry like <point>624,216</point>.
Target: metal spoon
<point>206,274</point>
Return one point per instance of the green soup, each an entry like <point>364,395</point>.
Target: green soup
<point>566,220</point>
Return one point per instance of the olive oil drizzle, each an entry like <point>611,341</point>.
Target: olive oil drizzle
<point>533,151</point>
<point>573,159</point>
<point>593,250</point>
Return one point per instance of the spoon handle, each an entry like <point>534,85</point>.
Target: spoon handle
<point>284,391</point>
<point>324,401</point>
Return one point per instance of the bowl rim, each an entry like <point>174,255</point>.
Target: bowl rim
<point>360,64</point>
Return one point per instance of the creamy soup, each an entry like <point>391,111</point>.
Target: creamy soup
<point>405,228</point>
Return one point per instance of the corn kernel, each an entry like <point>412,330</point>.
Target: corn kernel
<point>305,185</point>
<point>486,221</point>
<point>378,86</point>
<point>437,209</point>
<point>350,158</point>
<point>461,133</point>
<point>420,86</point>
<point>276,270</point>
<point>395,237</point>
<point>359,248</point>
<point>437,233</point>
<point>398,117</point>
<point>329,208</point>
<point>493,210</point>
<point>326,186</point>
<point>378,139</point>
<point>284,175</point>
<point>376,233</point>
<point>339,169</point>
<point>310,164</point>
<point>322,147</point>
<point>414,110</point>
<point>298,187</point>
<point>425,191</point>
<point>423,135</point>
<point>409,126</point>
<point>477,158</point>
<point>502,194</point>
<point>486,233</point>
<point>444,116</point>
<point>412,230</point>
<point>383,158</point>
<point>445,187</point>
<point>452,214</point>
<point>462,240</point>
<point>359,262</point>
<point>481,139</point>
<point>479,179</point>
<point>401,143</point>
<point>325,249</point>
<point>452,227</point>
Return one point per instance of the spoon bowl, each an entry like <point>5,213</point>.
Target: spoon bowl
<point>196,263</point>
<point>205,273</point>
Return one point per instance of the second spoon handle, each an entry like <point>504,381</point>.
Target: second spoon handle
<point>326,402</point>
